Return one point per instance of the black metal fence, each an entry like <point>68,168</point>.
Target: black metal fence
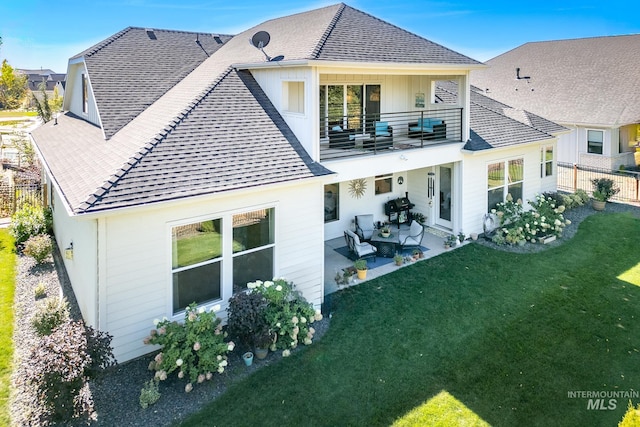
<point>572,177</point>
<point>13,196</point>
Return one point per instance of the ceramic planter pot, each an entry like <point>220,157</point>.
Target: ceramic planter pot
<point>248,358</point>
<point>598,205</point>
<point>261,353</point>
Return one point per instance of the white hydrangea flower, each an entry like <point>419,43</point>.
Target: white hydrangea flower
<point>155,322</point>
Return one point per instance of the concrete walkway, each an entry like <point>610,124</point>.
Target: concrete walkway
<point>4,222</point>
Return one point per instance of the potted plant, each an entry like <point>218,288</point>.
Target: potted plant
<point>385,231</point>
<point>417,253</point>
<point>461,237</point>
<point>361,268</point>
<point>248,358</point>
<point>449,241</point>
<point>603,190</point>
<point>262,340</point>
<point>398,259</point>
<point>420,218</point>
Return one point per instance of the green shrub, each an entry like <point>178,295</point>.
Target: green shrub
<point>519,226</point>
<point>29,221</point>
<point>149,393</point>
<point>40,291</point>
<point>59,367</point>
<point>194,348</point>
<point>49,315</point>
<point>288,314</point>
<point>38,247</point>
<point>631,417</point>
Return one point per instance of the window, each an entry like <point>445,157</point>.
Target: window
<point>293,97</point>
<point>384,184</point>
<point>546,161</point>
<point>331,197</point>
<point>595,139</point>
<point>504,178</point>
<point>253,243</point>
<point>352,106</point>
<point>196,263</point>
<point>85,94</point>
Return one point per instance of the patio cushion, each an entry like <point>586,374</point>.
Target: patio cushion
<point>382,129</point>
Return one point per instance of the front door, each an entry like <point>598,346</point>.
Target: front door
<point>444,196</point>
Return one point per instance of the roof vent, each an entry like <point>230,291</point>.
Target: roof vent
<point>151,34</point>
<point>217,39</point>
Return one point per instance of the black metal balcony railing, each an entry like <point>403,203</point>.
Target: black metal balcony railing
<point>369,134</point>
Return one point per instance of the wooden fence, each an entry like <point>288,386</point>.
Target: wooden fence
<point>13,196</point>
<point>572,177</point>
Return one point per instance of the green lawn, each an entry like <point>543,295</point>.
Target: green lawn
<point>473,336</point>
<point>6,113</point>
<point>7,284</point>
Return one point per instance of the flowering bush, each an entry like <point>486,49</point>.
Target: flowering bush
<point>38,247</point>
<point>287,313</point>
<point>195,348</point>
<point>519,226</point>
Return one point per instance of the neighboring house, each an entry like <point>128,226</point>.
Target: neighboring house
<point>206,165</point>
<point>35,78</point>
<point>589,85</point>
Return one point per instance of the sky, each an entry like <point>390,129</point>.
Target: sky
<point>45,34</point>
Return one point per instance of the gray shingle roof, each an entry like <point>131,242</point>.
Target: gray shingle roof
<point>134,67</point>
<point>496,125</point>
<point>231,138</point>
<point>359,37</point>
<point>158,97</point>
<point>589,81</point>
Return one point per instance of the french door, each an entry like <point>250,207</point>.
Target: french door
<point>444,195</point>
<point>348,106</point>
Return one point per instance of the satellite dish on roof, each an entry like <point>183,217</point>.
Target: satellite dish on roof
<point>260,40</point>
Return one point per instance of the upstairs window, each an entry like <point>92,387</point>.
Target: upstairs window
<point>595,140</point>
<point>85,94</point>
<point>546,161</point>
<point>293,97</point>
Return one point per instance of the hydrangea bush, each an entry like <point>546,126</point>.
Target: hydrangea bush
<point>287,313</point>
<point>519,226</point>
<point>195,348</point>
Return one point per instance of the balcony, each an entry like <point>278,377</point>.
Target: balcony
<point>371,134</point>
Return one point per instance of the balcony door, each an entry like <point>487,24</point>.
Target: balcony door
<point>348,106</point>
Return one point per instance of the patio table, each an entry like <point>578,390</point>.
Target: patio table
<point>387,246</point>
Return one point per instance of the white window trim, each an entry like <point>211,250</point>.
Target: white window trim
<point>226,259</point>
<point>587,141</point>
<point>285,97</point>
<point>505,184</point>
<point>544,161</point>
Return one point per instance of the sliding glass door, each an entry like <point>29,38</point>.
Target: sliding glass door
<point>348,106</point>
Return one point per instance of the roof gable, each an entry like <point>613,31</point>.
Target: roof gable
<point>134,67</point>
<point>232,138</point>
<point>585,81</point>
<point>359,37</point>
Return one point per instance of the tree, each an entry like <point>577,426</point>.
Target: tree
<point>43,106</point>
<point>55,103</point>
<point>13,87</point>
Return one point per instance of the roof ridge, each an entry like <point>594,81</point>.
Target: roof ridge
<point>106,42</point>
<point>151,144</point>
<point>323,39</point>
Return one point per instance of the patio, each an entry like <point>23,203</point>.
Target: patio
<point>334,261</point>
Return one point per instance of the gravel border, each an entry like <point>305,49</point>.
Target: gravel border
<point>116,395</point>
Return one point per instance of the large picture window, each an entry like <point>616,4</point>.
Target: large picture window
<point>196,263</point>
<point>253,246</point>
<point>293,96</point>
<point>595,139</point>
<point>504,178</point>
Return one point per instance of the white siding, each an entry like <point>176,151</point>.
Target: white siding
<point>474,181</point>
<point>138,262</point>
<point>73,94</point>
<point>82,269</point>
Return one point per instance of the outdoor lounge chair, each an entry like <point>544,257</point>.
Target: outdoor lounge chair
<point>364,227</point>
<point>357,248</point>
<point>412,237</point>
